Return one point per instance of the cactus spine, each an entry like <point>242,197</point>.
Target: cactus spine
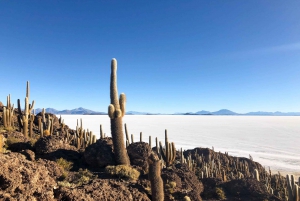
<point>157,189</point>
<point>116,110</point>
<point>23,117</point>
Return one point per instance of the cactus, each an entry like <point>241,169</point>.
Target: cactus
<point>157,189</point>
<point>293,189</point>
<point>31,120</point>
<point>8,114</point>
<point>126,132</point>
<point>169,153</point>
<point>256,174</point>
<point>116,110</point>
<point>1,143</point>
<point>23,117</point>
<point>101,132</point>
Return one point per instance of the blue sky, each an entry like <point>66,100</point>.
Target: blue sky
<point>173,56</point>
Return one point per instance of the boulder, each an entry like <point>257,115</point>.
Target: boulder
<point>100,154</point>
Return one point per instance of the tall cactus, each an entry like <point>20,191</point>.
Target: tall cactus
<point>23,117</point>
<point>157,187</point>
<point>116,110</point>
<point>8,114</point>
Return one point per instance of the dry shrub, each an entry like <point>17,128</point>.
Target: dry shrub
<point>12,140</point>
<point>83,177</point>
<point>64,164</point>
<point>220,193</point>
<point>123,171</point>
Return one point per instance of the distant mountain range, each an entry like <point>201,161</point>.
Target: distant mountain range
<point>79,110</point>
<point>83,111</point>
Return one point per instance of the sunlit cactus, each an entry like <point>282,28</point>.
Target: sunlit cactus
<point>116,110</point>
<point>24,116</point>
<point>157,189</point>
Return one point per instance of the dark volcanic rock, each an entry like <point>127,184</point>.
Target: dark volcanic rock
<point>186,182</point>
<point>138,153</point>
<point>50,144</point>
<point>100,154</point>
<point>210,185</point>
<point>54,147</point>
<point>21,179</point>
<point>17,142</point>
<point>248,190</point>
<point>102,189</point>
<point>30,155</point>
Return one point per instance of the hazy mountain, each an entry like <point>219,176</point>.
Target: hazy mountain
<point>79,110</point>
<point>274,113</point>
<point>224,112</point>
<point>141,113</point>
<point>203,112</point>
<point>84,111</point>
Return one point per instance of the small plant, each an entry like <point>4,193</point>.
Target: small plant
<point>83,177</point>
<point>46,133</point>
<point>12,140</point>
<point>32,141</point>
<point>65,184</point>
<point>123,171</point>
<point>220,193</point>
<point>9,129</point>
<point>78,179</point>
<point>170,186</point>
<point>64,164</point>
<point>187,198</point>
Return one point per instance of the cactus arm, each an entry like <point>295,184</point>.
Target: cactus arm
<point>111,111</point>
<point>113,84</point>
<point>122,103</point>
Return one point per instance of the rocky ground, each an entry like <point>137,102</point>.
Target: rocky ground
<point>51,168</point>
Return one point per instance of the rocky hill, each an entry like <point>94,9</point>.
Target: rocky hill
<point>58,166</point>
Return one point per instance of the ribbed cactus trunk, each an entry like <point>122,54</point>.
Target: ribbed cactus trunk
<point>24,116</point>
<point>116,110</point>
<point>157,186</point>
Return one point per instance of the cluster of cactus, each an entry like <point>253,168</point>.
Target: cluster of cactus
<point>83,138</point>
<point>168,153</point>
<point>116,110</point>
<point>45,123</point>
<point>8,114</point>
<point>293,188</point>
<point>217,165</point>
<point>132,141</point>
<point>227,168</point>
<point>23,117</point>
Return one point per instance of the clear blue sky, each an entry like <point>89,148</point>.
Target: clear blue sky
<point>173,55</point>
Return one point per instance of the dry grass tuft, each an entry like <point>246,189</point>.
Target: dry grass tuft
<point>123,171</point>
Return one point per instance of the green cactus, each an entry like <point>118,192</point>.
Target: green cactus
<point>116,110</point>
<point>24,116</point>
<point>157,186</point>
